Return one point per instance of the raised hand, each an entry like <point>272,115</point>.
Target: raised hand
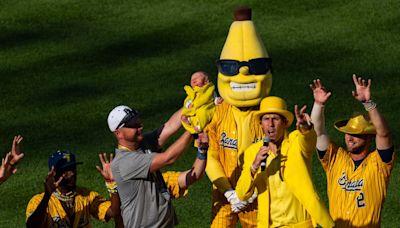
<point>321,95</point>
<point>363,89</point>
<point>50,184</point>
<point>105,171</point>
<point>261,156</point>
<point>302,118</point>
<point>16,154</point>
<point>6,169</point>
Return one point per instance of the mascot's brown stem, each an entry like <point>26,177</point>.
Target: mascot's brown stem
<point>243,13</point>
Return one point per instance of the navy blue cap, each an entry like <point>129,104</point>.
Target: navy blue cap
<point>61,160</point>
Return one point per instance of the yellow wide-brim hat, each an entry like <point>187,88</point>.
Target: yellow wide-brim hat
<point>276,105</point>
<point>357,125</point>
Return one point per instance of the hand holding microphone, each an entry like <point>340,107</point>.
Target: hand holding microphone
<point>261,157</point>
<point>264,161</point>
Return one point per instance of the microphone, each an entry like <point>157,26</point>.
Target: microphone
<point>264,162</point>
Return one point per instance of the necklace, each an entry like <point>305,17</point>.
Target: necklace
<point>67,198</point>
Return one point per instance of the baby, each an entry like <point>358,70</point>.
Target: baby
<point>198,107</point>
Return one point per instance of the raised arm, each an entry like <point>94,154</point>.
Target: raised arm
<point>173,152</point>
<point>38,215</point>
<point>6,169</point>
<point>307,140</point>
<point>8,164</point>
<point>363,94</point>
<point>192,175</point>
<point>105,171</point>
<point>170,128</point>
<point>16,154</point>
<point>321,96</point>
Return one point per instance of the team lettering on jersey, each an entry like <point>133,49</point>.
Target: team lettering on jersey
<point>228,142</point>
<point>348,185</point>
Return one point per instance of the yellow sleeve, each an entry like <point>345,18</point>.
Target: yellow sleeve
<point>171,179</point>
<point>214,169</point>
<point>33,204</point>
<point>246,184</point>
<point>298,173</point>
<point>307,141</point>
<point>216,173</point>
<point>98,206</point>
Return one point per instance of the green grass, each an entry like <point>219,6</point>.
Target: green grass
<point>65,64</point>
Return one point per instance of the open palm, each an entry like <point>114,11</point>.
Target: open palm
<point>105,171</point>
<point>321,95</point>
<point>363,89</point>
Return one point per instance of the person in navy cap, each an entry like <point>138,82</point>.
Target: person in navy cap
<point>63,204</point>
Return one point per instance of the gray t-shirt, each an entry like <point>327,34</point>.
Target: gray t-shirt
<point>145,201</point>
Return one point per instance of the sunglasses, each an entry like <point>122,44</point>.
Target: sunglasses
<point>130,120</point>
<point>256,66</point>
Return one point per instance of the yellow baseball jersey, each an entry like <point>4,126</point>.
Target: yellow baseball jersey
<point>230,132</point>
<point>355,196</point>
<point>171,179</point>
<point>86,203</point>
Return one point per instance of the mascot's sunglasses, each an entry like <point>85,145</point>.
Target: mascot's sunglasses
<point>130,120</point>
<point>256,66</point>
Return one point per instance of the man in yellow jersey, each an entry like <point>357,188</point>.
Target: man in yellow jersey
<point>357,178</point>
<point>279,170</point>
<point>63,204</point>
<point>145,193</point>
<point>244,79</point>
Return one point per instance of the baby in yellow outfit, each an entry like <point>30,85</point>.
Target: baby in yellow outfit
<point>199,105</point>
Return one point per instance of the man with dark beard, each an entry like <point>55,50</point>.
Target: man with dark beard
<point>63,204</point>
<point>357,177</point>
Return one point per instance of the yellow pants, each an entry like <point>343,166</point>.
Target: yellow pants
<point>222,215</point>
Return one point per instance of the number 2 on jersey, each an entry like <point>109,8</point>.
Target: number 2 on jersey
<point>360,200</point>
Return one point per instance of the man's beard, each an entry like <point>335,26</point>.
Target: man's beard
<point>357,150</point>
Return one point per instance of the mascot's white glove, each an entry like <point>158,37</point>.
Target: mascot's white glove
<point>236,204</point>
<point>252,198</point>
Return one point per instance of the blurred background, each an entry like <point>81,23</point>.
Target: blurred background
<point>65,64</point>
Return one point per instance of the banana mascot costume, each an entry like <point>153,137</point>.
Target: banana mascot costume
<point>244,79</point>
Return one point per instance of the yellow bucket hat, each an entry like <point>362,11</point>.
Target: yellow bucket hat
<point>276,105</point>
<point>357,125</point>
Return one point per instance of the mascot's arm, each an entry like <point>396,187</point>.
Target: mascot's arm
<point>214,169</point>
<point>216,173</point>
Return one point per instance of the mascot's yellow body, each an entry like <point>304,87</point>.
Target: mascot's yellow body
<point>233,128</point>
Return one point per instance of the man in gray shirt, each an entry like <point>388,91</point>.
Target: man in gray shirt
<point>145,193</point>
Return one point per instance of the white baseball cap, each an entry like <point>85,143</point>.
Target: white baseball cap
<point>123,116</point>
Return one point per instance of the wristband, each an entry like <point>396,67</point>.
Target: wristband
<point>306,126</point>
<point>369,105</point>
<point>202,153</point>
<point>111,187</point>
